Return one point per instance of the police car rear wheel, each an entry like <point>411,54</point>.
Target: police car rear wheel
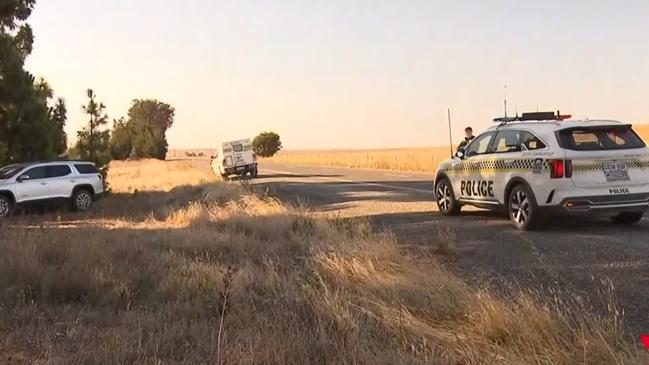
<point>522,208</point>
<point>446,202</point>
<point>628,218</point>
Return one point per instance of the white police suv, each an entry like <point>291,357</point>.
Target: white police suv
<point>540,164</point>
<point>78,182</point>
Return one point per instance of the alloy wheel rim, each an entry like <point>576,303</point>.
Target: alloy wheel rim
<point>520,207</point>
<point>4,207</point>
<point>443,197</point>
<point>83,201</point>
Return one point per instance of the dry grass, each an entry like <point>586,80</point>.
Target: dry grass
<point>404,159</point>
<point>147,175</point>
<point>204,272</point>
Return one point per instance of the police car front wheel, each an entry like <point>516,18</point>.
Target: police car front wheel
<point>522,208</point>
<point>446,202</point>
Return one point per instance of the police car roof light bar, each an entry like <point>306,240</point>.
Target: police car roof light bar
<point>534,116</point>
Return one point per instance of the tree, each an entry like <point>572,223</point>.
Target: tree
<point>93,140</point>
<point>266,144</point>
<point>58,115</point>
<point>148,121</point>
<point>26,127</point>
<point>121,143</point>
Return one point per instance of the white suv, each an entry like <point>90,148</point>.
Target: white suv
<point>532,168</point>
<point>78,182</point>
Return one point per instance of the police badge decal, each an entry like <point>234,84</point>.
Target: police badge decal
<point>537,166</point>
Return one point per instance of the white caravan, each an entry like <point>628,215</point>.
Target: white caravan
<point>235,158</point>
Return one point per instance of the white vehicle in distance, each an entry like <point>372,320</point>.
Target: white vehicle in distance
<point>235,158</point>
<point>541,164</point>
<point>77,182</point>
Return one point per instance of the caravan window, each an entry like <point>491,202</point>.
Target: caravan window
<point>237,147</point>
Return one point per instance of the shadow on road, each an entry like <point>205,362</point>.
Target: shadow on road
<point>326,194</point>
<point>288,176</point>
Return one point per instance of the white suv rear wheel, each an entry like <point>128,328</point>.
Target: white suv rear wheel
<point>82,200</point>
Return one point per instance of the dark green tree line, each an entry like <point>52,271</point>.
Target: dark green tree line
<point>28,129</point>
<point>32,120</point>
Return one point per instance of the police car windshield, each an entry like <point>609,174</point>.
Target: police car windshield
<point>7,172</point>
<point>599,138</point>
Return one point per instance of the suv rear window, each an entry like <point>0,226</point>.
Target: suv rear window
<point>86,168</point>
<point>599,138</point>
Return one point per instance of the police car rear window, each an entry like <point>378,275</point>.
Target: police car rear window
<point>599,138</point>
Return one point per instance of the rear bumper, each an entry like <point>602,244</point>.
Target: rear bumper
<point>243,169</point>
<point>602,204</point>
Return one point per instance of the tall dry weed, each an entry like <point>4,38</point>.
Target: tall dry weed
<point>245,279</point>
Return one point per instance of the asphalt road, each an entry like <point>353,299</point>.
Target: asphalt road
<point>576,258</point>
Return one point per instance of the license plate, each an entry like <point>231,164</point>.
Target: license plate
<point>616,171</point>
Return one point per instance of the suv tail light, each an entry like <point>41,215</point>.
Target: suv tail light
<point>560,169</point>
<point>557,169</point>
<point>568,171</point>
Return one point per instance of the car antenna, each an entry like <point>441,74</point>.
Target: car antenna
<point>450,133</point>
<point>517,110</point>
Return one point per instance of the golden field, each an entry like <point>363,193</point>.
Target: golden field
<point>404,159</point>
<point>174,267</point>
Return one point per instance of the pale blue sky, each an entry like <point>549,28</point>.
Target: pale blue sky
<point>328,74</point>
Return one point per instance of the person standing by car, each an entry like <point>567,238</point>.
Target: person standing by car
<point>468,137</point>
